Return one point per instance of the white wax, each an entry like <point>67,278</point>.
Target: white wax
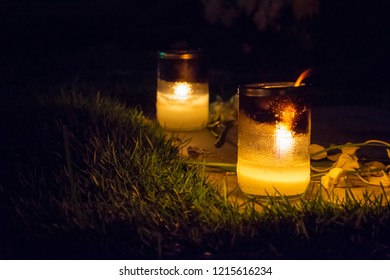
<point>183,112</point>
<point>260,179</point>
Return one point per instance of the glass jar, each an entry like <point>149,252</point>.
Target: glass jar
<point>182,90</point>
<point>274,127</point>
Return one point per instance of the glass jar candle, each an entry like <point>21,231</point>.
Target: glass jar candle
<point>182,90</point>
<point>274,126</point>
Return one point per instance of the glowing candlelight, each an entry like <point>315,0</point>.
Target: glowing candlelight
<point>273,140</point>
<point>182,91</point>
<point>182,106</point>
<point>284,139</point>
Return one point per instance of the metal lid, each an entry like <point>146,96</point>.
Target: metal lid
<point>180,54</point>
<point>270,88</point>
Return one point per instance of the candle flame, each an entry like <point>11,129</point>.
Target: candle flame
<point>303,76</point>
<point>283,133</point>
<point>181,91</point>
<point>284,139</point>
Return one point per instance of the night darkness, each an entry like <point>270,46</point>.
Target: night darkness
<point>55,41</point>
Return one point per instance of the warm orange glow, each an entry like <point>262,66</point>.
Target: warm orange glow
<point>283,131</point>
<point>288,115</point>
<point>303,76</point>
<point>181,91</point>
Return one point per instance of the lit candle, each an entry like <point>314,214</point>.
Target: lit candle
<point>273,140</point>
<point>182,106</point>
<point>182,91</point>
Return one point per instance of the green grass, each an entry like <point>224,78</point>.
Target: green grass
<point>87,177</point>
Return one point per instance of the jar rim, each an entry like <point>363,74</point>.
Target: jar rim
<point>269,88</point>
<point>180,54</point>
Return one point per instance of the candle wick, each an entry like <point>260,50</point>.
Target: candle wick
<point>303,76</point>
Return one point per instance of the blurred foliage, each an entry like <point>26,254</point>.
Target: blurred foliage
<point>264,13</point>
<point>289,16</point>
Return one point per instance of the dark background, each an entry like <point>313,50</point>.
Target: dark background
<point>54,42</point>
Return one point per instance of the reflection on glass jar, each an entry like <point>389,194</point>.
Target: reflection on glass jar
<point>273,139</point>
<point>182,90</point>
